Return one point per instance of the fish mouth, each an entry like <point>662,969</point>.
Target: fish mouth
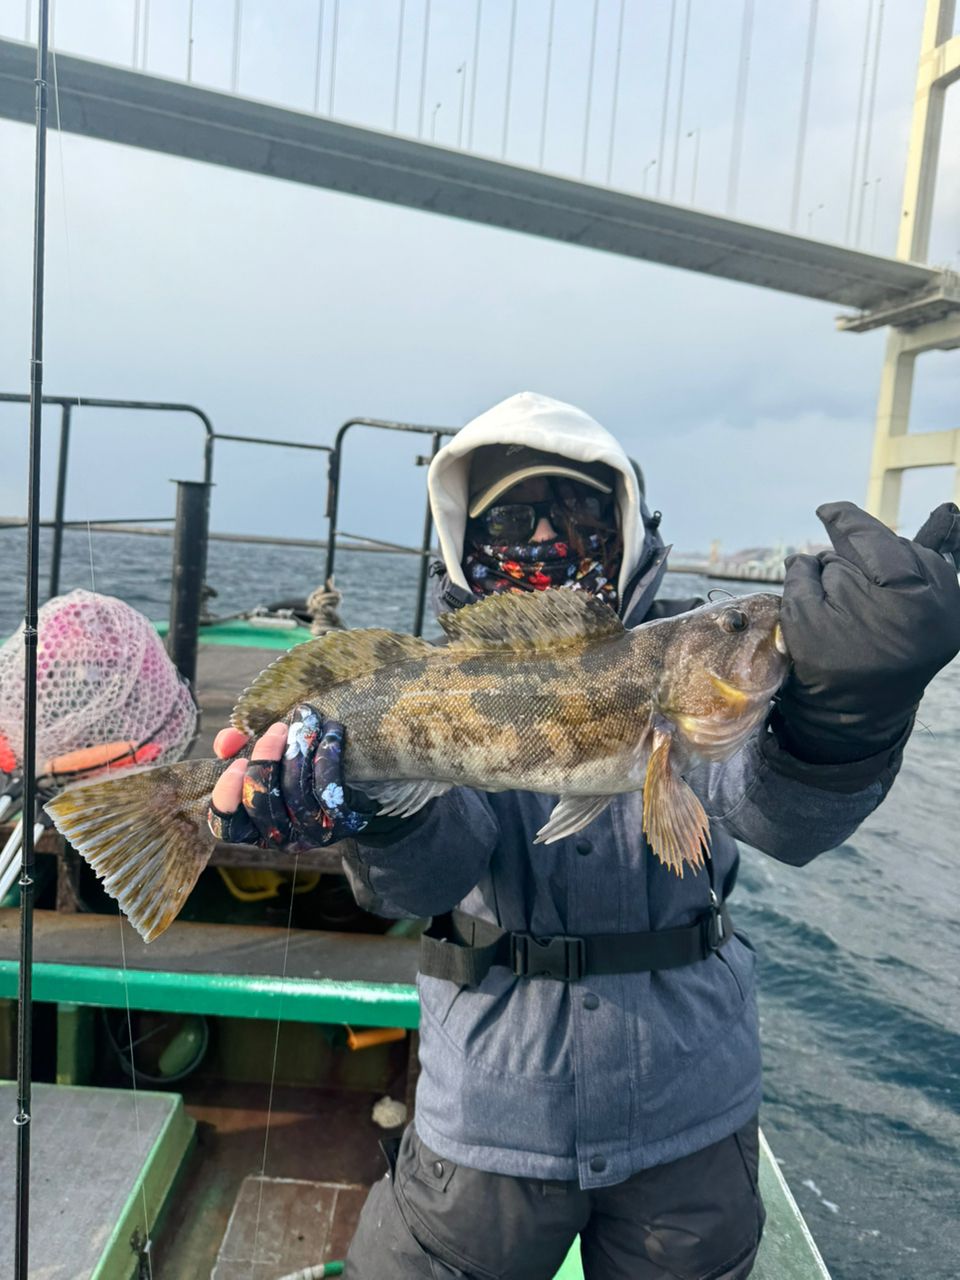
<point>740,699</point>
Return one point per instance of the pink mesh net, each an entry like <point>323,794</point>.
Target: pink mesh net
<point>103,676</point>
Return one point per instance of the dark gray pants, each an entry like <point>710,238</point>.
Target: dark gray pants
<point>698,1218</point>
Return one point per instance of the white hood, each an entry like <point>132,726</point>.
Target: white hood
<point>540,423</point>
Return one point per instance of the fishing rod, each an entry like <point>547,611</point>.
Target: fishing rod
<point>25,986</point>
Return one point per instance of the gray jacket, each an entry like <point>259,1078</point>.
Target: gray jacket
<point>597,1079</point>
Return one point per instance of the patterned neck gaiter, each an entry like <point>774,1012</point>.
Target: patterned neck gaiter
<point>534,566</point>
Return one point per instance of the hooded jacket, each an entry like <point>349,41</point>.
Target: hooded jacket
<point>596,1079</point>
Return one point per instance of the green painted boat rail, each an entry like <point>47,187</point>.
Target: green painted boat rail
<point>364,1004</point>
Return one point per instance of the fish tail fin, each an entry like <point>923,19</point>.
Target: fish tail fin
<point>674,821</point>
<point>145,834</point>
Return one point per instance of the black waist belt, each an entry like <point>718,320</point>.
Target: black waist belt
<point>461,948</point>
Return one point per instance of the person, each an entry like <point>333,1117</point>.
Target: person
<point>617,1102</point>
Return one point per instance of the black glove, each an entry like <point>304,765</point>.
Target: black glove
<point>300,801</point>
<point>867,626</point>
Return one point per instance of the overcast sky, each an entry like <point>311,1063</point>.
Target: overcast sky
<point>282,310</point>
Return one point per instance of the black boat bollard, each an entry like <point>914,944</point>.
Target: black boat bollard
<point>189,571</point>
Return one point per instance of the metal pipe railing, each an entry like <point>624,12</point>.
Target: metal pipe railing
<point>333,497</point>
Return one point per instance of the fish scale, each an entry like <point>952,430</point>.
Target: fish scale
<point>544,692</point>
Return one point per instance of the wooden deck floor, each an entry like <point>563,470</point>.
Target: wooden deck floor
<point>316,1136</point>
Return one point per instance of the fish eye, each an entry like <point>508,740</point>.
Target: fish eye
<point>733,620</point>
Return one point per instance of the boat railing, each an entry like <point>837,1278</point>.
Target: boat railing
<point>196,545</point>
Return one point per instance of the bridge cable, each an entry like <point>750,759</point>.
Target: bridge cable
<point>475,71</point>
<point>804,115</point>
<point>871,113</point>
<point>616,95</point>
<point>506,105</point>
<point>546,82</point>
<point>190,43</point>
<point>680,92</point>
<point>743,76</point>
<point>316,73</point>
<point>396,86</point>
<point>859,124</point>
<point>146,33</point>
<point>666,93</point>
<point>423,67</point>
<point>334,36</point>
<point>136,32</point>
<point>586,121</point>
<point>237,20</point>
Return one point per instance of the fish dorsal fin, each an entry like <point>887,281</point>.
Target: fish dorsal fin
<point>536,620</point>
<point>302,673</point>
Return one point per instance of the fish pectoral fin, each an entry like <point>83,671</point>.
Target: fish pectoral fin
<point>674,821</point>
<point>401,799</point>
<point>572,814</point>
<point>145,834</point>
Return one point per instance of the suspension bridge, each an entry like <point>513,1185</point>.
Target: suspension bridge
<point>920,303</point>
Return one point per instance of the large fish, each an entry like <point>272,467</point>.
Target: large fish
<point>543,692</point>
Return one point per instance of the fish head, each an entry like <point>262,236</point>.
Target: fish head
<point>720,666</point>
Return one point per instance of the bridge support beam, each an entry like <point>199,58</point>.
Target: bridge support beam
<point>895,448</point>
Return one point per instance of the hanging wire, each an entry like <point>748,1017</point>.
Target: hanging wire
<point>871,112</point>
<point>804,115</point>
<point>666,93</point>
<point>683,81</point>
<point>586,121</point>
<point>423,67</point>
<point>237,20</point>
<point>506,105</point>
<point>276,1047</point>
<point>22,1120</point>
<point>316,68</point>
<point>546,82</point>
<point>743,77</point>
<point>616,94</point>
<point>190,43</point>
<point>146,33</point>
<point>859,125</point>
<point>474,73</point>
<point>462,73</point>
<point>136,32</point>
<point>333,56</point>
<point>396,83</point>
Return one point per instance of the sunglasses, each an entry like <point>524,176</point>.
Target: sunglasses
<point>511,522</point>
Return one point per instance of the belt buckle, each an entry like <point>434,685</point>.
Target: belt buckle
<point>561,957</point>
<point>716,929</point>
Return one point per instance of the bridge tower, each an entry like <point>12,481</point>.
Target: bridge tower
<point>895,448</point>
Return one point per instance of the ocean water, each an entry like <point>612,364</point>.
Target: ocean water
<point>859,953</point>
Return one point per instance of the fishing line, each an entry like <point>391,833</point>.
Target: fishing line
<point>93,586</point>
<point>22,1119</point>
<point>276,1047</point>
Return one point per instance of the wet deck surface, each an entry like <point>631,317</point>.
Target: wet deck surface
<point>223,672</point>
<point>316,1136</point>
